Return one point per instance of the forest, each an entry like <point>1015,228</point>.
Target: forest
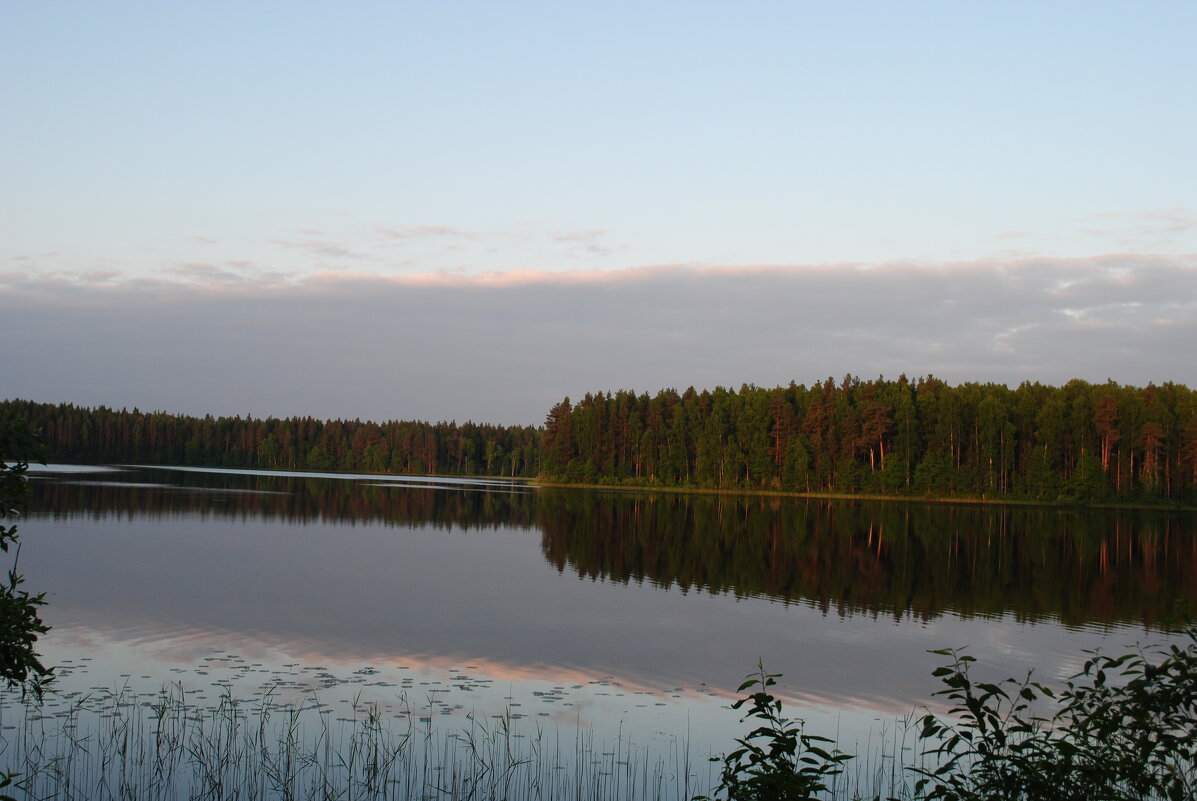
<point>1079,442</point>
<point>77,434</point>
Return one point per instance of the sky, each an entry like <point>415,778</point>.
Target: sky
<point>467,210</point>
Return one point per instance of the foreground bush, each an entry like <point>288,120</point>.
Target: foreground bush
<point>777,760</point>
<point>1124,728</point>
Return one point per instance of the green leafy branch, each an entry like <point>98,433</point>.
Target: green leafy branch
<point>776,761</point>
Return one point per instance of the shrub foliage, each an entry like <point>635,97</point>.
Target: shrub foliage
<point>1123,729</point>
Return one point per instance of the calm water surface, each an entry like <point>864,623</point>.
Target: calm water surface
<point>601,609</point>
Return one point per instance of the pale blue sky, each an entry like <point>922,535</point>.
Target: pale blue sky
<point>210,153</point>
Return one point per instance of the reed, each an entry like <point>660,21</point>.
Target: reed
<point>120,745</point>
<point>170,744</point>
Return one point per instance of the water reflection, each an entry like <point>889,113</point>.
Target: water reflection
<point>914,559</point>
<point>1078,566</point>
<point>161,493</point>
<point>664,592</point>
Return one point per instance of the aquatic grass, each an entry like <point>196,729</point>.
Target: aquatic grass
<point>117,744</point>
<point>175,744</point>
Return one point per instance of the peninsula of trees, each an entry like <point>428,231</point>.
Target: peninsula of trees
<point>1077,442</point>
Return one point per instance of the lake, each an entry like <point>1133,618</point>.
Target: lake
<point>633,616</point>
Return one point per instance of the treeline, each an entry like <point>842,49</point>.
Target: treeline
<point>1078,442</point>
<point>103,435</point>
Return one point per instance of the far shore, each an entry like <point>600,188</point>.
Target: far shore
<point>861,496</point>
<point>533,481</point>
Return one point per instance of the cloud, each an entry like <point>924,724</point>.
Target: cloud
<point>588,242</point>
<point>321,247</point>
<point>407,232</point>
<point>1142,226</point>
<point>1173,220</point>
<point>203,272</point>
<point>502,347</point>
<point>584,236</point>
<point>27,257</point>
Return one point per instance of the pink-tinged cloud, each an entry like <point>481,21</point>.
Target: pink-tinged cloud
<point>1151,226</point>
<point>405,232</point>
<point>505,346</point>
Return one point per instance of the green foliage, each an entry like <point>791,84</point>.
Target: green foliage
<point>103,435</point>
<point>776,761</point>
<point>1079,443</point>
<point>20,622</point>
<point>1123,728</point>
<point>20,627</point>
<point>17,446</point>
<point>1086,482</point>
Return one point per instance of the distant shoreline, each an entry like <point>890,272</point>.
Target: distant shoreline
<point>1079,445</point>
<point>532,481</point>
<point>844,496</point>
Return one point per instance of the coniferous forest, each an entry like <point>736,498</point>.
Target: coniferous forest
<point>103,435</point>
<point>1079,442</point>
